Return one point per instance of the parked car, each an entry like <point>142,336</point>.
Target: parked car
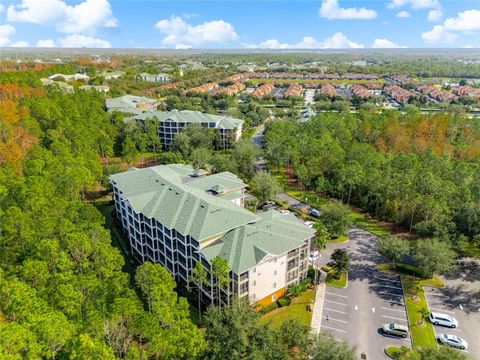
<point>309,224</point>
<point>395,329</point>
<point>328,266</point>
<point>268,205</point>
<point>443,319</point>
<point>315,213</point>
<point>314,256</point>
<point>454,341</point>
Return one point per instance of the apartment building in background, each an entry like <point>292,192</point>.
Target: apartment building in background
<point>177,216</point>
<point>228,130</point>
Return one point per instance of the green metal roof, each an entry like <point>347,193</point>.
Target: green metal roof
<point>273,234</point>
<point>193,117</point>
<point>161,192</point>
<point>127,102</point>
<point>219,183</point>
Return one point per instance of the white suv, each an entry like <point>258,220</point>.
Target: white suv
<point>443,319</point>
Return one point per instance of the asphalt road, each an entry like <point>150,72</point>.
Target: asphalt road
<point>461,299</point>
<point>356,314</point>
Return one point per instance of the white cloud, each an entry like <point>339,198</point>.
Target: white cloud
<point>330,9</point>
<point>86,16</point>
<point>415,4</point>
<point>183,46</point>
<point>179,32</point>
<point>403,14</point>
<point>465,21</point>
<point>20,44</point>
<point>336,41</point>
<point>45,43</point>
<point>385,44</point>
<point>435,15</point>
<point>2,8</point>
<point>80,41</point>
<point>5,32</point>
<point>439,34</point>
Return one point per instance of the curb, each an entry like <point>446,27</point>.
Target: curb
<point>406,311</point>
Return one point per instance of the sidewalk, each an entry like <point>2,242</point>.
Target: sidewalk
<point>318,308</point>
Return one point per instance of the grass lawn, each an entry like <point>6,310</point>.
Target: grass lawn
<point>296,310</point>
<point>404,269</point>
<point>333,281</point>
<point>420,326</point>
<point>470,250</point>
<point>363,222</point>
<point>340,239</point>
<point>396,351</point>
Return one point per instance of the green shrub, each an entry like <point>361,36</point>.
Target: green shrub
<point>269,308</point>
<point>284,301</point>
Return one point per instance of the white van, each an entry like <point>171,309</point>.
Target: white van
<point>443,319</point>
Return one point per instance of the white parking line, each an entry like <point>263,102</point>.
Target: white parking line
<point>328,327</point>
<point>335,302</point>
<point>392,287</point>
<point>332,319</point>
<point>433,293</point>
<point>396,302</point>
<point>394,318</point>
<point>338,311</point>
<point>445,311</point>
<point>387,293</point>
<point>343,296</point>
<point>387,279</point>
<point>386,308</point>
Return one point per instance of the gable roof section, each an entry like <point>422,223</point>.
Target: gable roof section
<point>246,246</point>
<point>159,192</point>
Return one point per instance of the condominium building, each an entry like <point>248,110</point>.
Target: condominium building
<point>228,129</point>
<point>176,216</point>
<point>153,77</point>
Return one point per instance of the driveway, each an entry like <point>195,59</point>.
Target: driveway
<point>356,314</point>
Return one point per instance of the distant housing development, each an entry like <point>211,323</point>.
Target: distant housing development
<point>176,216</point>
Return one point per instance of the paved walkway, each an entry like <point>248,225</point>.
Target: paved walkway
<point>318,308</point>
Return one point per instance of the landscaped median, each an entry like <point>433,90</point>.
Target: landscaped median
<point>332,279</point>
<point>396,351</point>
<point>423,335</point>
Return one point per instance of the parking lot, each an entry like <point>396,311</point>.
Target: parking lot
<point>460,299</point>
<point>356,314</point>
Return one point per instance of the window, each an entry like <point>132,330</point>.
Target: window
<point>274,285</point>
<point>275,273</point>
<point>244,288</point>
<point>254,282</point>
<point>274,297</point>
<point>254,270</point>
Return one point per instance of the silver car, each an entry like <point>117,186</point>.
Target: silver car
<point>395,329</point>
<point>454,341</point>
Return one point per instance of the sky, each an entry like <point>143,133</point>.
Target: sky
<point>242,24</point>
